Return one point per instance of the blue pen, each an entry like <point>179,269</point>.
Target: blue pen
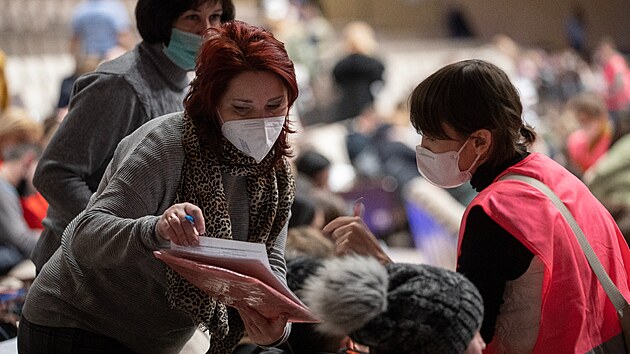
<point>191,220</point>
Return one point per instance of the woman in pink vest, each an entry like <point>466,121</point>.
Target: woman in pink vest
<point>540,294</point>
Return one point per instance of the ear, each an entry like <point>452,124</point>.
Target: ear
<point>482,140</point>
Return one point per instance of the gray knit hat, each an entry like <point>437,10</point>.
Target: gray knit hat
<point>398,308</point>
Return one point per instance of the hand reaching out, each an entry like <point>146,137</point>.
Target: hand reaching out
<point>352,235</point>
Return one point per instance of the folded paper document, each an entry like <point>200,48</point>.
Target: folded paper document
<point>236,273</point>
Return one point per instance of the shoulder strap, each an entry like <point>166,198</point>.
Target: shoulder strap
<point>611,290</point>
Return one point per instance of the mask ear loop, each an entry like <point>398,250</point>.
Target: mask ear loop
<point>477,156</point>
<point>220,117</point>
<point>474,162</point>
<point>462,148</point>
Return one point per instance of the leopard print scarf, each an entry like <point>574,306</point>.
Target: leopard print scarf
<point>271,192</point>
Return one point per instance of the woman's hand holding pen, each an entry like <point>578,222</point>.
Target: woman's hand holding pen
<point>182,223</point>
<point>352,235</point>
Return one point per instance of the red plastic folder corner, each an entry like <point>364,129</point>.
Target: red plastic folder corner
<point>241,279</point>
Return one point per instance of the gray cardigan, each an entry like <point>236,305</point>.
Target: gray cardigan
<point>107,105</point>
<point>105,278</point>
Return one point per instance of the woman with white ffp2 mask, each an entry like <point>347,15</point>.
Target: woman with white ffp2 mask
<point>443,168</point>
<point>513,244</point>
<point>254,137</point>
<point>252,116</point>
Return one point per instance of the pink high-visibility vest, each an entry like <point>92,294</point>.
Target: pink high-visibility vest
<point>576,314</point>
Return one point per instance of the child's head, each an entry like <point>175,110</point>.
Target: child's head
<point>315,166</point>
<point>468,96</point>
<point>397,308</point>
<point>588,107</point>
<point>307,240</point>
<point>304,337</point>
<point>359,38</point>
<point>18,127</point>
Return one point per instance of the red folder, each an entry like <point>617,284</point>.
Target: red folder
<point>237,289</point>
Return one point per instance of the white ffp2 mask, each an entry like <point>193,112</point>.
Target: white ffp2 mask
<point>254,136</point>
<point>442,169</point>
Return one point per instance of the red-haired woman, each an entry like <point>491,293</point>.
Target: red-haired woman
<point>224,162</point>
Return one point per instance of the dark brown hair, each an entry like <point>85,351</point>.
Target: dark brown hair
<point>230,50</point>
<point>470,95</point>
<point>155,18</point>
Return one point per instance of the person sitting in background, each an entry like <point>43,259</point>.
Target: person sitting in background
<point>593,137</point>
<point>305,338</point>
<point>20,151</point>
<point>305,230</point>
<point>100,29</point>
<point>305,212</point>
<point>616,75</point>
<point>331,204</point>
<point>313,171</point>
<point>103,290</point>
<point>17,239</point>
<point>609,178</point>
<point>308,240</point>
<point>19,127</point>
<point>396,308</point>
<point>35,205</point>
<point>359,74</point>
<point>312,187</point>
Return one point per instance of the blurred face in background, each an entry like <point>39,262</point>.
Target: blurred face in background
<point>199,19</point>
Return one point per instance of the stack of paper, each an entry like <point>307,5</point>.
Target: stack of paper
<point>236,273</point>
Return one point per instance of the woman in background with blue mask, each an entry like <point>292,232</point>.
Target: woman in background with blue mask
<point>223,161</point>
<point>113,101</point>
<point>539,292</point>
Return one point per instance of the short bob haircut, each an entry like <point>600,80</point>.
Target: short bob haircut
<point>230,50</point>
<point>155,18</point>
<point>468,96</point>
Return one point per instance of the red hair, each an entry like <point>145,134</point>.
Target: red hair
<point>228,51</point>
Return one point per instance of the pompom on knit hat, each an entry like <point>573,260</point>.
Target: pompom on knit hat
<point>299,269</point>
<point>397,308</point>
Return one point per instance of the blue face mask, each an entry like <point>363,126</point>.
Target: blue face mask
<point>183,48</point>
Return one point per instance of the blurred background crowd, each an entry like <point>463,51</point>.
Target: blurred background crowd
<point>356,62</point>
